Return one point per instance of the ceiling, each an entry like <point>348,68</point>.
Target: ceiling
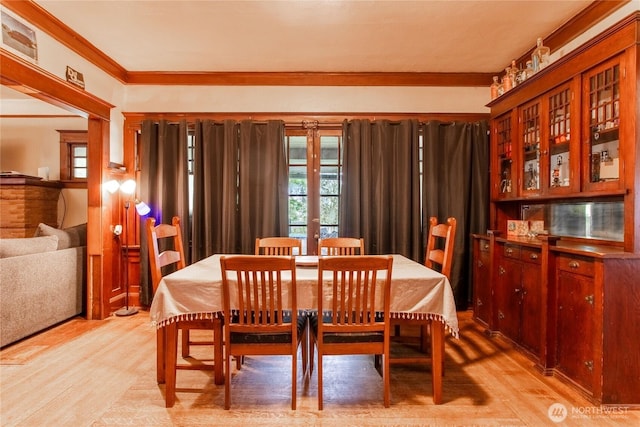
<point>454,36</point>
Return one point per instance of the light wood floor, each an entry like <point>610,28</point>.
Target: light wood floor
<point>102,373</point>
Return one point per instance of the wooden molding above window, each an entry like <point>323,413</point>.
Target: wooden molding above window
<point>74,164</point>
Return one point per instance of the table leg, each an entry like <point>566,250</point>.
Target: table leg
<point>160,354</point>
<point>171,354</point>
<point>218,353</point>
<point>437,356</point>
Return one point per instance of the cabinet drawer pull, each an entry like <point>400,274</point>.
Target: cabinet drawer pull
<point>501,271</point>
<point>479,303</point>
<point>589,365</point>
<point>508,251</point>
<point>500,315</point>
<point>589,299</point>
<point>485,246</point>
<point>533,256</point>
<point>574,264</point>
<point>480,264</point>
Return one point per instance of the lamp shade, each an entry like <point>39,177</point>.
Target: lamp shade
<point>111,186</point>
<point>128,187</point>
<point>142,208</point>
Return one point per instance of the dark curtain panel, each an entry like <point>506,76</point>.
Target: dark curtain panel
<point>380,196</point>
<point>164,185</point>
<point>456,183</point>
<point>215,224</point>
<point>263,190</point>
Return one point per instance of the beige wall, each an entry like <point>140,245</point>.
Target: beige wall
<point>27,144</point>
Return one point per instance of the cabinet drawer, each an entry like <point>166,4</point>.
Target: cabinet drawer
<point>511,251</point>
<point>531,255</point>
<point>577,265</point>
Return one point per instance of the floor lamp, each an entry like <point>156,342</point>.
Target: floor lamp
<point>128,187</point>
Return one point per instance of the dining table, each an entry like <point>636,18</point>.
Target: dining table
<point>195,293</point>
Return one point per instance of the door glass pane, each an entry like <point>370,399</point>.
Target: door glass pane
<point>505,154</point>
<point>297,150</point>
<point>531,147</point>
<point>315,162</point>
<point>559,138</point>
<point>604,103</point>
<point>330,183</point>
<point>330,150</point>
<point>298,189</point>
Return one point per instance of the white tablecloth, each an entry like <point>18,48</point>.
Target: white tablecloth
<point>195,292</point>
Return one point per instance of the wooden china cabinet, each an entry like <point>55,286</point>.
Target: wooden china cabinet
<point>565,150</point>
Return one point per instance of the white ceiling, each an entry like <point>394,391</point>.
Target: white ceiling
<point>314,35</point>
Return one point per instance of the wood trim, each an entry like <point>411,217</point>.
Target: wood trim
<point>27,78</point>
<point>39,17</point>
<point>40,84</point>
<point>309,79</point>
<point>134,119</point>
<point>51,25</point>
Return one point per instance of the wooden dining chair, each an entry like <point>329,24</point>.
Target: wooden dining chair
<point>438,256</point>
<point>278,246</point>
<point>166,250</point>
<point>260,305</point>
<point>341,246</point>
<point>353,318</point>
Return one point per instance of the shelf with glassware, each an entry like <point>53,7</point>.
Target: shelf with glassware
<point>537,154</point>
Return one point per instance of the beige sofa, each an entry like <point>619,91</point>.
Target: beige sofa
<point>42,281</point>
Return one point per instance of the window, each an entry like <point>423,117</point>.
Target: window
<point>315,177</point>
<point>74,158</point>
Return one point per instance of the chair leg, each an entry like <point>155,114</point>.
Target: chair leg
<point>304,344</point>
<point>386,378</point>
<point>294,376</point>
<point>186,337</point>
<point>227,380</point>
<point>424,337</point>
<point>171,354</point>
<point>218,352</point>
<point>319,380</point>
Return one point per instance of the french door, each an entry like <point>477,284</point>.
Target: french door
<point>315,172</point>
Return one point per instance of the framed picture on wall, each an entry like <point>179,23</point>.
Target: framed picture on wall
<point>19,38</point>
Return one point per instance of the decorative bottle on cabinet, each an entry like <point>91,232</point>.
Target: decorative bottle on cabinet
<point>540,56</point>
<point>514,73</point>
<point>495,88</point>
<point>507,84</point>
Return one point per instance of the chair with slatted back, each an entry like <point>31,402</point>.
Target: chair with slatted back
<point>167,251</point>
<point>275,246</point>
<point>353,317</point>
<point>260,308</point>
<point>341,246</point>
<point>439,256</point>
<point>278,246</point>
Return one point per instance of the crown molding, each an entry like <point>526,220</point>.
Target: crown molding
<point>309,79</point>
<point>48,23</point>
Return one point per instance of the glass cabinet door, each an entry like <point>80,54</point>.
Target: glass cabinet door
<point>530,145</point>
<point>561,141</point>
<point>504,152</point>
<point>602,99</point>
